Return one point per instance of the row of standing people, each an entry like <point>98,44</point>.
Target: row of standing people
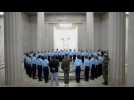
<point>42,64</point>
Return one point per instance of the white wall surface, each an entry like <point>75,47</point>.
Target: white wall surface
<point>1,40</point>
<point>130,73</point>
<point>101,31</point>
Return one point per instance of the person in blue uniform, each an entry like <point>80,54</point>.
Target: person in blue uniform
<point>93,67</point>
<point>34,65</point>
<point>78,64</point>
<point>29,66</point>
<point>82,56</point>
<point>100,62</point>
<point>96,66</point>
<point>89,54</point>
<point>39,66</point>
<point>74,55</point>
<point>45,65</point>
<point>62,55</point>
<point>87,68</point>
<point>49,55</point>
<point>70,54</point>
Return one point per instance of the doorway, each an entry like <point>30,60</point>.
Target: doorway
<point>65,36</point>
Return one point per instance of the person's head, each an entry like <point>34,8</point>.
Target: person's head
<point>86,57</point>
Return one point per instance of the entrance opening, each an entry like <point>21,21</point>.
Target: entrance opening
<point>65,36</point>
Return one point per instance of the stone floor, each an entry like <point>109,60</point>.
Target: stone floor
<point>28,82</point>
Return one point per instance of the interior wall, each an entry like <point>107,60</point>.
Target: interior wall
<point>29,34</point>
<point>101,31</point>
<point>49,32</point>
<point>79,20</point>
<point>1,40</point>
<point>33,30</point>
<point>104,31</point>
<point>97,31</point>
<point>83,37</point>
<point>130,73</point>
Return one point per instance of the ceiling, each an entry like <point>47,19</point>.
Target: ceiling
<point>57,13</point>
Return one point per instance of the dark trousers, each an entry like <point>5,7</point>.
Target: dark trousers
<point>70,58</point>
<point>74,57</point>
<point>29,70</point>
<point>78,70</point>
<point>34,70</point>
<point>93,72</point>
<point>66,77</point>
<point>96,71</point>
<point>99,69</point>
<point>82,58</point>
<point>40,72</point>
<point>60,58</point>
<point>49,58</point>
<point>87,69</point>
<point>46,73</point>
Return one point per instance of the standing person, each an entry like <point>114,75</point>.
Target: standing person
<point>29,65</point>
<point>45,65</point>
<point>39,66</point>
<point>93,66</point>
<point>66,68</point>
<point>54,64</point>
<point>100,62</point>
<point>105,68</point>
<point>87,68</point>
<point>74,55</point>
<point>34,65</point>
<point>96,66</point>
<point>25,61</point>
<point>70,54</point>
<point>78,64</point>
<point>82,56</point>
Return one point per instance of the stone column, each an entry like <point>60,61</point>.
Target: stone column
<point>117,48</point>
<point>41,36</point>
<point>130,73</point>
<point>90,29</point>
<point>13,47</point>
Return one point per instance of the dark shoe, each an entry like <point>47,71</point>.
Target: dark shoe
<point>105,83</point>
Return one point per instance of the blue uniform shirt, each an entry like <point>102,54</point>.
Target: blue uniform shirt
<point>39,61</point>
<point>78,53</point>
<point>78,62</point>
<point>93,62</point>
<point>82,53</point>
<point>33,60</point>
<point>100,60</point>
<point>70,53</point>
<point>28,60</point>
<point>86,62</point>
<point>89,54</point>
<point>45,63</point>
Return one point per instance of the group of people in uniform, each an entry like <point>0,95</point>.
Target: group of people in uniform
<point>42,64</point>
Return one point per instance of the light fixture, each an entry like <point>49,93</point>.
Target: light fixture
<point>127,13</point>
<point>65,25</point>
<point>1,13</point>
